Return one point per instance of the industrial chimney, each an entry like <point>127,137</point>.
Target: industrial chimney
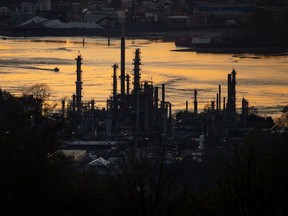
<point>78,83</point>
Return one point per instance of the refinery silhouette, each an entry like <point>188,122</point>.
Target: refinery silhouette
<point>137,156</point>
<point>141,115</point>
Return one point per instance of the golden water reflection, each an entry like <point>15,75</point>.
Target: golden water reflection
<point>26,61</point>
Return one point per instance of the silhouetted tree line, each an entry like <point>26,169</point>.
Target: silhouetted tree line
<point>35,179</point>
<point>248,179</point>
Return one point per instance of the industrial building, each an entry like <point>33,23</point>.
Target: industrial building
<point>141,112</point>
<point>140,115</point>
<point>137,112</point>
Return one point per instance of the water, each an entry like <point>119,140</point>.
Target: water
<point>262,80</point>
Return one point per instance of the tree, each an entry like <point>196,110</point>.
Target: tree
<point>39,91</point>
<point>147,186</point>
<point>252,181</point>
<point>35,178</point>
<point>42,93</point>
<point>282,121</point>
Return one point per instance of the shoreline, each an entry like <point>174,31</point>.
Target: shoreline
<point>259,50</point>
<point>167,35</point>
<point>143,33</point>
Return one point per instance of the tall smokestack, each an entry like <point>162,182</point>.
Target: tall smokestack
<point>114,101</point>
<point>231,100</point>
<point>195,102</point>
<point>229,85</point>
<point>128,84</point>
<point>137,88</point>
<point>163,96</point>
<point>219,95</point>
<point>122,75</point>
<point>137,63</point>
<point>92,116</point>
<point>217,101</point>
<point>115,66</point>
<point>78,83</point>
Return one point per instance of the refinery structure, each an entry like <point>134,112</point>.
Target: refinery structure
<point>137,112</point>
<point>138,115</point>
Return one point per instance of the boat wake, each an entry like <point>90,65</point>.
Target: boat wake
<point>31,68</point>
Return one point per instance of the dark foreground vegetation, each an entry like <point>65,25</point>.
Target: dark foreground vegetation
<point>245,179</point>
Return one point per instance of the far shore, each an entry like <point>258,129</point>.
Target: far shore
<point>165,34</point>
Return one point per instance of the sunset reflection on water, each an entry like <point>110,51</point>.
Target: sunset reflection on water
<point>26,61</point>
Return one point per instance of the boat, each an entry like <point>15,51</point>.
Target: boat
<point>56,69</point>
